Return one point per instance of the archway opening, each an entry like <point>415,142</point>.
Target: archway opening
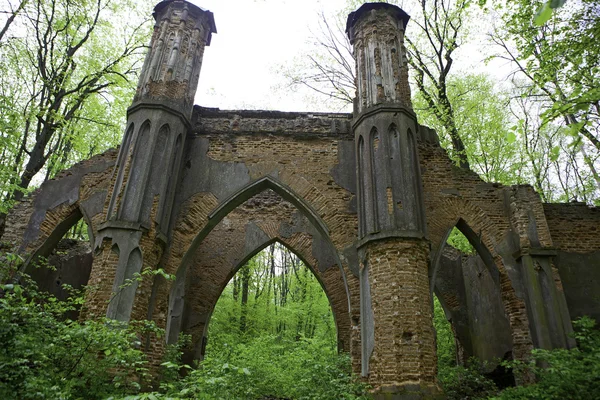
<point>274,293</point>
<point>272,333</point>
<point>63,263</point>
<point>468,297</point>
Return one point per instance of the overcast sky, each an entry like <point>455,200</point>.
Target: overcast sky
<point>254,39</point>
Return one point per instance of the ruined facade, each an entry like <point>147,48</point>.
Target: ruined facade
<point>367,200</point>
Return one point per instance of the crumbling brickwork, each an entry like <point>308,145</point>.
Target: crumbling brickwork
<point>34,224</point>
<point>403,268</point>
<point>367,200</point>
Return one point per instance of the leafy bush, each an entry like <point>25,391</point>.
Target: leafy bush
<point>44,356</point>
<point>466,382</point>
<point>270,367</point>
<point>561,373</point>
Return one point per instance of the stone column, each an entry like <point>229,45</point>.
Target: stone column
<point>398,345</point>
<point>547,312</point>
<point>144,181</point>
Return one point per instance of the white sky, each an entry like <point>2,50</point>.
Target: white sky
<point>256,37</point>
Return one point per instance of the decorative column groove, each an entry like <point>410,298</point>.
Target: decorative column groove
<point>398,345</point>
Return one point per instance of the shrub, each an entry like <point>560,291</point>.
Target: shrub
<point>561,373</point>
<point>468,382</point>
<point>45,356</point>
<point>270,367</point>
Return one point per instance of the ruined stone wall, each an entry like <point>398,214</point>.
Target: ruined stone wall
<point>308,158</point>
<point>197,197</point>
<point>575,229</point>
<point>77,192</point>
<point>452,193</point>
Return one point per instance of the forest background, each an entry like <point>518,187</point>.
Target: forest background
<point>68,69</point>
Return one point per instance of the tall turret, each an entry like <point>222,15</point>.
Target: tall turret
<point>172,67</point>
<point>148,164</point>
<point>398,348</point>
<point>389,181</point>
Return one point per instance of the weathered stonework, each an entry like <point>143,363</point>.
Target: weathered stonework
<point>367,200</point>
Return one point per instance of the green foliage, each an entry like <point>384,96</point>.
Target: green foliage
<point>269,366</point>
<point>271,335</point>
<point>557,71</point>
<point>467,382</point>
<point>482,120</point>
<point>279,342</point>
<point>283,297</point>
<point>545,11</point>
<point>43,356</point>
<point>445,346</point>
<point>67,74</point>
<point>458,382</point>
<point>561,373</point>
<point>292,355</point>
<point>457,240</point>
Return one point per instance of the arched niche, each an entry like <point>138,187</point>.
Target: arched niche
<point>134,187</point>
<point>308,224</point>
<point>122,160</point>
<point>156,175</point>
<point>199,330</point>
<point>469,289</point>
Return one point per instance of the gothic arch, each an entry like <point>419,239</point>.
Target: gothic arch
<point>246,193</point>
<point>36,224</point>
<point>483,235</point>
<point>316,236</point>
<point>302,249</point>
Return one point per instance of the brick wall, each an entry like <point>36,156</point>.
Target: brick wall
<point>575,227</point>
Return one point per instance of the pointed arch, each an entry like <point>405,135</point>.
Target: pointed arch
<point>249,191</point>
<point>134,187</point>
<point>475,240</point>
<point>319,241</point>
<point>71,216</point>
<point>119,168</point>
<point>300,253</point>
<point>484,236</point>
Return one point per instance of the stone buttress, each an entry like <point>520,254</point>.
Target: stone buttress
<point>398,347</point>
<point>139,209</point>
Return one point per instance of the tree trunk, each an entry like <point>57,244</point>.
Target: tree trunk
<point>245,287</point>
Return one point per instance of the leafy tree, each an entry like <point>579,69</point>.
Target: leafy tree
<point>559,60</point>
<point>482,119</point>
<point>66,79</point>
<point>431,51</point>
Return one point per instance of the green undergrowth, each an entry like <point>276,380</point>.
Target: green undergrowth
<point>268,367</point>
<point>45,356</point>
<point>558,374</point>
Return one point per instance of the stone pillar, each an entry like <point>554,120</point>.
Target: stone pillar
<point>147,169</point>
<point>547,312</point>
<point>398,345</point>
